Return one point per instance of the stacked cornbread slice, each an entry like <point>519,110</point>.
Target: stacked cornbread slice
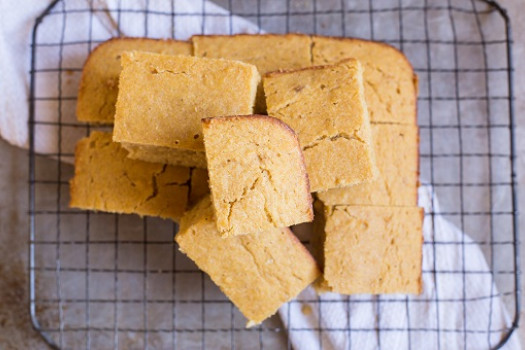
<point>336,117</point>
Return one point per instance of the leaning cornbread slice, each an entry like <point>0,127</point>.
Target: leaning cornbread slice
<point>325,106</point>
<point>257,174</point>
<point>257,272</point>
<point>106,180</point>
<point>162,99</point>
<point>390,82</point>
<point>396,149</point>
<point>97,95</point>
<point>372,250</point>
<point>268,52</point>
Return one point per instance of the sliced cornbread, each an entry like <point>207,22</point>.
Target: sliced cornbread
<point>258,272</point>
<point>106,180</point>
<point>199,187</point>
<point>390,82</point>
<point>166,155</point>
<point>372,250</point>
<point>257,174</point>
<point>162,99</point>
<point>97,95</point>
<point>396,149</point>
<point>325,106</point>
<point>268,52</point>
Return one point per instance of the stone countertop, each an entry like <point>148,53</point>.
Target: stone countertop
<point>15,326</point>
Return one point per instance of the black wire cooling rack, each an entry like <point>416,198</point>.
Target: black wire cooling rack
<point>101,281</point>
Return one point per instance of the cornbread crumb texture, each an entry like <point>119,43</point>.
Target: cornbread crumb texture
<point>163,98</point>
<point>257,272</point>
<point>396,149</point>
<point>257,174</point>
<point>199,187</point>
<point>373,250</point>
<point>166,155</point>
<point>98,91</point>
<point>268,52</point>
<point>390,82</point>
<point>106,180</point>
<point>326,107</point>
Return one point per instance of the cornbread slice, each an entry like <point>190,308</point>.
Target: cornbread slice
<point>325,106</point>
<point>396,149</point>
<point>199,187</point>
<point>162,98</point>
<point>390,82</point>
<point>373,250</point>
<point>257,174</point>
<point>97,95</point>
<point>106,180</point>
<point>258,272</point>
<point>166,155</point>
<point>268,52</point>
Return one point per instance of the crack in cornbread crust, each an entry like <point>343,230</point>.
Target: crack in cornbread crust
<point>257,272</point>
<point>373,250</point>
<point>162,98</point>
<point>390,82</point>
<point>326,107</point>
<point>106,180</point>
<point>100,75</point>
<point>258,178</point>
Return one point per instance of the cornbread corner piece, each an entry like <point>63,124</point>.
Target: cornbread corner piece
<point>98,91</point>
<point>257,174</point>
<point>257,272</point>
<point>199,187</point>
<point>396,149</point>
<point>325,106</point>
<point>162,99</point>
<point>166,155</point>
<point>372,250</point>
<point>106,180</point>
<point>268,52</point>
<point>390,82</point>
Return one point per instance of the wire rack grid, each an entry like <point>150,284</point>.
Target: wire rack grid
<point>100,280</point>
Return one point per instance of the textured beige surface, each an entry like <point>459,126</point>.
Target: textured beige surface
<point>166,155</point>
<point>267,52</point>
<point>100,76</point>
<point>199,186</point>
<point>258,272</point>
<point>257,174</point>
<point>390,83</point>
<point>106,180</point>
<point>163,98</point>
<point>372,250</point>
<point>325,106</point>
<point>396,150</point>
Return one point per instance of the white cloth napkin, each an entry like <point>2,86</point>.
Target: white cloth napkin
<point>393,315</point>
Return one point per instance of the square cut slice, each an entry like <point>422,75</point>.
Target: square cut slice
<point>106,180</point>
<point>257,272</point>
<point>325,106</point>
<point>372,250</point>
<point>389,79</point>
<point>396,149</point>
<point>98,90</point>
<point>268,52</point>
<point>257,174</point>
<point>162,99</point>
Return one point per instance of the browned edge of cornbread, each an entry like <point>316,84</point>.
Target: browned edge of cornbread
<point>92,55</point>
<point>280,124</point>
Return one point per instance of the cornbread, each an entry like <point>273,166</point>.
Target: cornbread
<point>390,82</point>
<point>372,250</point>
<point>396,149</point>
<point>199,187</point>
<point>166,155</point>
<point>162,98</point>
<point>106,180</point>
<point>268,52</point>
<point>325,106</point>
<point>258,272</point>
<point>257,174</point>
<point>100,76</point>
